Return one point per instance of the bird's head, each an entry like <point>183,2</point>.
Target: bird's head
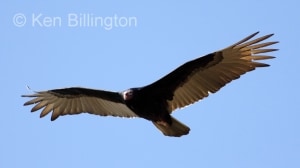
<point>129,94</point>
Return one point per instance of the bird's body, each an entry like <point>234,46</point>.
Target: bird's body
<point>147,106</point>
<point>185,85</point>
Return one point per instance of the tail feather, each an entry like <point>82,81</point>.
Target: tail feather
<point>176,129</point>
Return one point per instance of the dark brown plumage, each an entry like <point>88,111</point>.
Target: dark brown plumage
<point>185,85</point>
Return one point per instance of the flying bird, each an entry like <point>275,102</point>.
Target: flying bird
<point>189,83</point>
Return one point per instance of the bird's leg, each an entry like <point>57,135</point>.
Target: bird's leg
<point>163,123</point>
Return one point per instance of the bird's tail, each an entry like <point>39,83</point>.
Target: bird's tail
<point>176,129</point>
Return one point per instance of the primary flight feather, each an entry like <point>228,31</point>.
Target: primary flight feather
<point>187,84</point>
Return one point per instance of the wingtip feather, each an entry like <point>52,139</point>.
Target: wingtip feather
<point>53,118</point>
<point>245,39</point>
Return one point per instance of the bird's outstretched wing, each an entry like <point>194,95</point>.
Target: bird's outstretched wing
<point>195,79</point>
<point>79,100</point>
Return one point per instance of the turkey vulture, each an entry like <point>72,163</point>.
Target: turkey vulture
<point>187,84</point>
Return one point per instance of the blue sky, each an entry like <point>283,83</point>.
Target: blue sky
<point>252,122</point>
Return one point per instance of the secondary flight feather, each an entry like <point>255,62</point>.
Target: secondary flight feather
<point>187,84</point>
